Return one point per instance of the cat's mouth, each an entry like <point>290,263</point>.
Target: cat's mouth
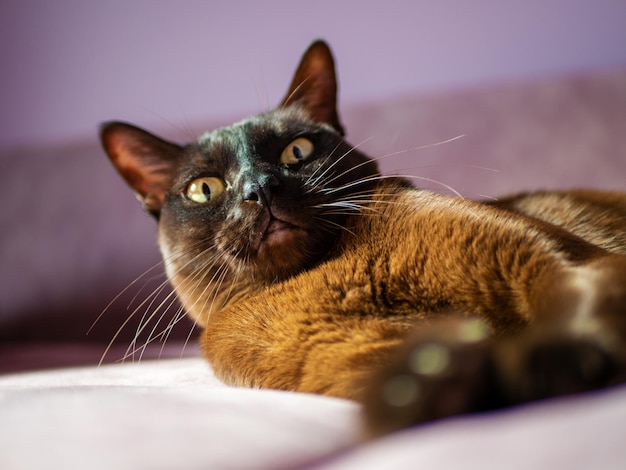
<point>278,232</point>
<point>276,227</point>
<point>282,244</point>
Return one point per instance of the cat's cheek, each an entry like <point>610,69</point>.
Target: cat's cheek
<point>166,254</point>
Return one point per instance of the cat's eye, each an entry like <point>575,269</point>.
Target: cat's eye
<point>297,151</point>
<point>202,190</point>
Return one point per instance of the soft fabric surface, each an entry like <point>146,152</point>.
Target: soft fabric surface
<point>162,414</point>
<point>174,414</point>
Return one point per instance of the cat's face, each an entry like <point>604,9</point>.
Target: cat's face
<point>261,197</point>
<point>252,203</point>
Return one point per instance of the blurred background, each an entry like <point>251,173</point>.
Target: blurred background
<point>68,65</point>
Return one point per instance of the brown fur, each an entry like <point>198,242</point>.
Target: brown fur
<point>421,305</point>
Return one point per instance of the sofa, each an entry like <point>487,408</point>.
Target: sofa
<point>93,375</point>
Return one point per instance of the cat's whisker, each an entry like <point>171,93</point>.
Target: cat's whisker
<point>146,317</point>
<point>115,336</point>
<point>147,282</point>
<point>421,147</point>
<point>322,164</point>
<point>345,208</point>
<point>174,320</point>
<point>122,292</point>
<point>171,298</point>
<point>334,177</point>
<point>216,289</point>
<point>182,314</point>
<point>218,275</point>
<point>330,191</point>
<point>148,300</point>
<point>213,284</point>
<point>223,271</point>
<point>334,224</point>
<point>409,176</point>
<point>393,154</point>
<point>337,161</point>
<point>363,200</point>
<point>437,182</point>
<point>164,334</point>
<point>487,197</point>
<point>355,203</point>
<point>368,179</point>
<point>293,92</point>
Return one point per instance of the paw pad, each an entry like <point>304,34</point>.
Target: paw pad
<point>400,390</point>
<point>430,359</point>
<point>473,331</point>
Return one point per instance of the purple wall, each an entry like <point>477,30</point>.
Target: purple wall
<point>69,64</point>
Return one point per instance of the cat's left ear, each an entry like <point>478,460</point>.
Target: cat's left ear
<point>314,86</point>
<point>145,161</point>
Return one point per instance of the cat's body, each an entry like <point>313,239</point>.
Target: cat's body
<point>310,272</point>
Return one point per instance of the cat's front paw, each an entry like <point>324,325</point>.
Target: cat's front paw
<point>444,370</point>
<point>452,368</point>
<point>542,364</point>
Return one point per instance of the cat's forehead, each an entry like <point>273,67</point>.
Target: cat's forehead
<point>279,122</point>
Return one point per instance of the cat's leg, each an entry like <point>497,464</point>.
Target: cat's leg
<point>444,369</point>
<point>439,376</point>
<point>576,343</point>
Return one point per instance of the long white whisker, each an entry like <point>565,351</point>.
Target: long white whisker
<point>423,147</point>
<point>330,167</point>
<point>148,300</point>
<point>382,177</point>
<point>314,174</point>
<point>392,154</point>
<point>116,298</point>
<point>198,277</point>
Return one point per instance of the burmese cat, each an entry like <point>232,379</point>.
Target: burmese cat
<point>309,271</point>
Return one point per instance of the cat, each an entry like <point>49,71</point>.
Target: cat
<point>310,271</point>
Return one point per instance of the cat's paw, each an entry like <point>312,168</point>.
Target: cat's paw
<point>453,368</point>
<point>542,364</point>
<point>445,369</point>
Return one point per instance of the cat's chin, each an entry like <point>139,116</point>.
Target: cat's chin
<point>279,232</point>
<point>281,249</point>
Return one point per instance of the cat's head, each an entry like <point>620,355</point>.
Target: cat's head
<point>253,203</point>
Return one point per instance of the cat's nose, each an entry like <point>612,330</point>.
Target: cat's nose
<point>261,192</point>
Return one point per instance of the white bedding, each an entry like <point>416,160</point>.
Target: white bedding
<point>174,414</point>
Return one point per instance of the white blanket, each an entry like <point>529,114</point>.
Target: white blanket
<point>174,414</point>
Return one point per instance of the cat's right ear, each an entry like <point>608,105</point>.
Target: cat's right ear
<point>145,161</point>
<point>314,86</point>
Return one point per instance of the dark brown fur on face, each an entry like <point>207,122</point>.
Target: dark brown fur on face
<point>311,272</point>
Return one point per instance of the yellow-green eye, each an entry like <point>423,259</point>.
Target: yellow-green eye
<point>297,151</point>
<point>202,190</point>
